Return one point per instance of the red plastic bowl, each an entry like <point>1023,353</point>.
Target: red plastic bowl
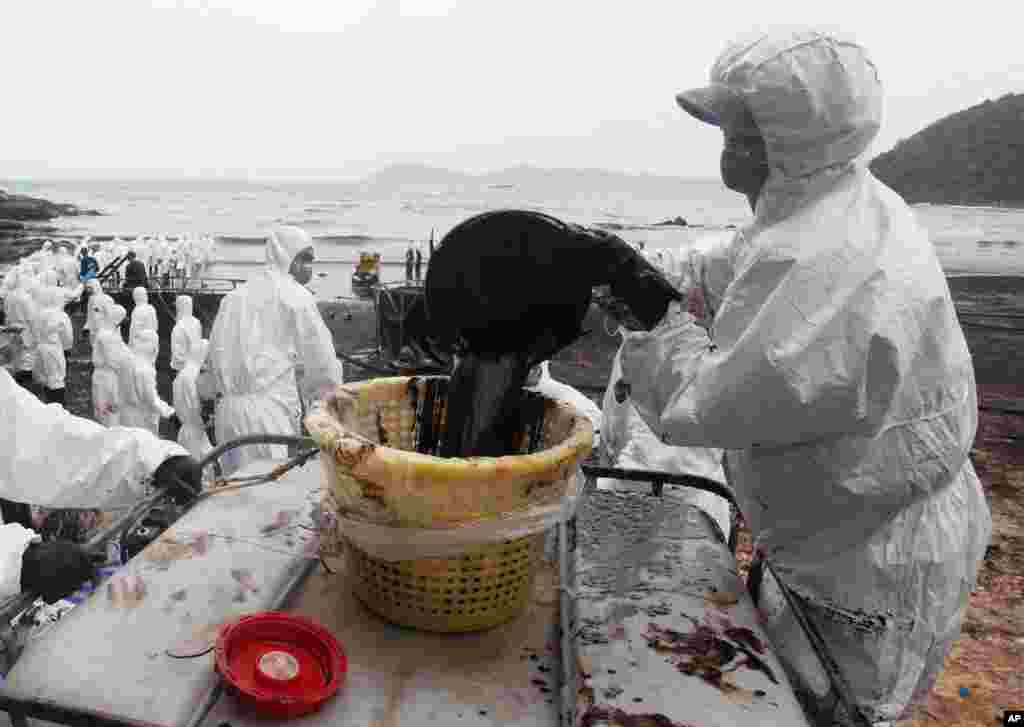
<point>279,664</point>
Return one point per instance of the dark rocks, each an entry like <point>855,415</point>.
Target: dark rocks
<point>23,219</point>
<point>22,208</point>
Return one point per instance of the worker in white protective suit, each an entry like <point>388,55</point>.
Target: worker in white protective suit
<point>56,336</point>
<point>97,467</point>
<point>262,330</point>
<point>140,403</point>
<point>143,315</point>
<point>66,267</point>
<point>93,290</point>
<point>20,310</point>
<point>38,294</point>
<point>835,376</point>
<point>186,332</point>
<point>146,341</point>
<point>110,354</point>
<point>187,404</point>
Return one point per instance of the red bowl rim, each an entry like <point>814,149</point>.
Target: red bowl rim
<point>236,629</point>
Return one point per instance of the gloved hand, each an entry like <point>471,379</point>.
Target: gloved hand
<point>55,569</point>
<point>180,477</point>
<point>610,260</point>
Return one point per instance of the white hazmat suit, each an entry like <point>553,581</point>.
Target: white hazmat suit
<point>95,290</point>
<point>186,332</point>
<point>838,381</point>
<point>56,336</point>
<point>144,316</point>
<point>53,459</point>
<point>110,354</point>
<point>187,404</point>
<point>20,310</point>
<point>262,330</point>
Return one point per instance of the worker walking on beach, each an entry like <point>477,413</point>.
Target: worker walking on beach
<point>263,329</point>
<point>836,377</point>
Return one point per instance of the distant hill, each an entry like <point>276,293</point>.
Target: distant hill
<point>525,177</point>
<point>975,156</point>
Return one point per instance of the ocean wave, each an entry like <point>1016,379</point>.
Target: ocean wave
<point>627,227</point>
<point>240,240</point>
<point>328,209</point>
<point>307,222</point>
<point>1004,243</point>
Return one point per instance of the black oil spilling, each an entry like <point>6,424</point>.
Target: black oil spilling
<point>482,411</point>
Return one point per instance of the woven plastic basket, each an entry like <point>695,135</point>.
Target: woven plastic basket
<point>376,438</point>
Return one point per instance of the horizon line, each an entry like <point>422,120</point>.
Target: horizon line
<point>311,175</point>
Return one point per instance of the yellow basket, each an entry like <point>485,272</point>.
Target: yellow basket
<point>478,590</point>
<point>368,431</point>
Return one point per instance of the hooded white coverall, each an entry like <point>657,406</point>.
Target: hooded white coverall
<point>53,459</point>
<point>143,315</point>
<point>192,435</point>
<point>110,356</point>
<point>839,382</point>
<point>19,311</point>
<point>262,329</point>
<point>56,336</point>
<point>186,333</point>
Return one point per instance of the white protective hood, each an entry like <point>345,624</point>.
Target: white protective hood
<point>284,243</point>
<point>839,382</point>
<point>263,329</point>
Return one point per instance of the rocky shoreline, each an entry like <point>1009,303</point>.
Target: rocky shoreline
<point>24,223</point>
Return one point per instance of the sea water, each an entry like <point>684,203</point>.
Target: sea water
<point>346,218</point>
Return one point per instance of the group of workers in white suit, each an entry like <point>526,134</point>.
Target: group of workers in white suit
<point>263,329</point>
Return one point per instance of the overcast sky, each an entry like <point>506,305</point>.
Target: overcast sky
<point>203,86</point>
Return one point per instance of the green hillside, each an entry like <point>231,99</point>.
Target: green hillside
<point>975,156</point>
